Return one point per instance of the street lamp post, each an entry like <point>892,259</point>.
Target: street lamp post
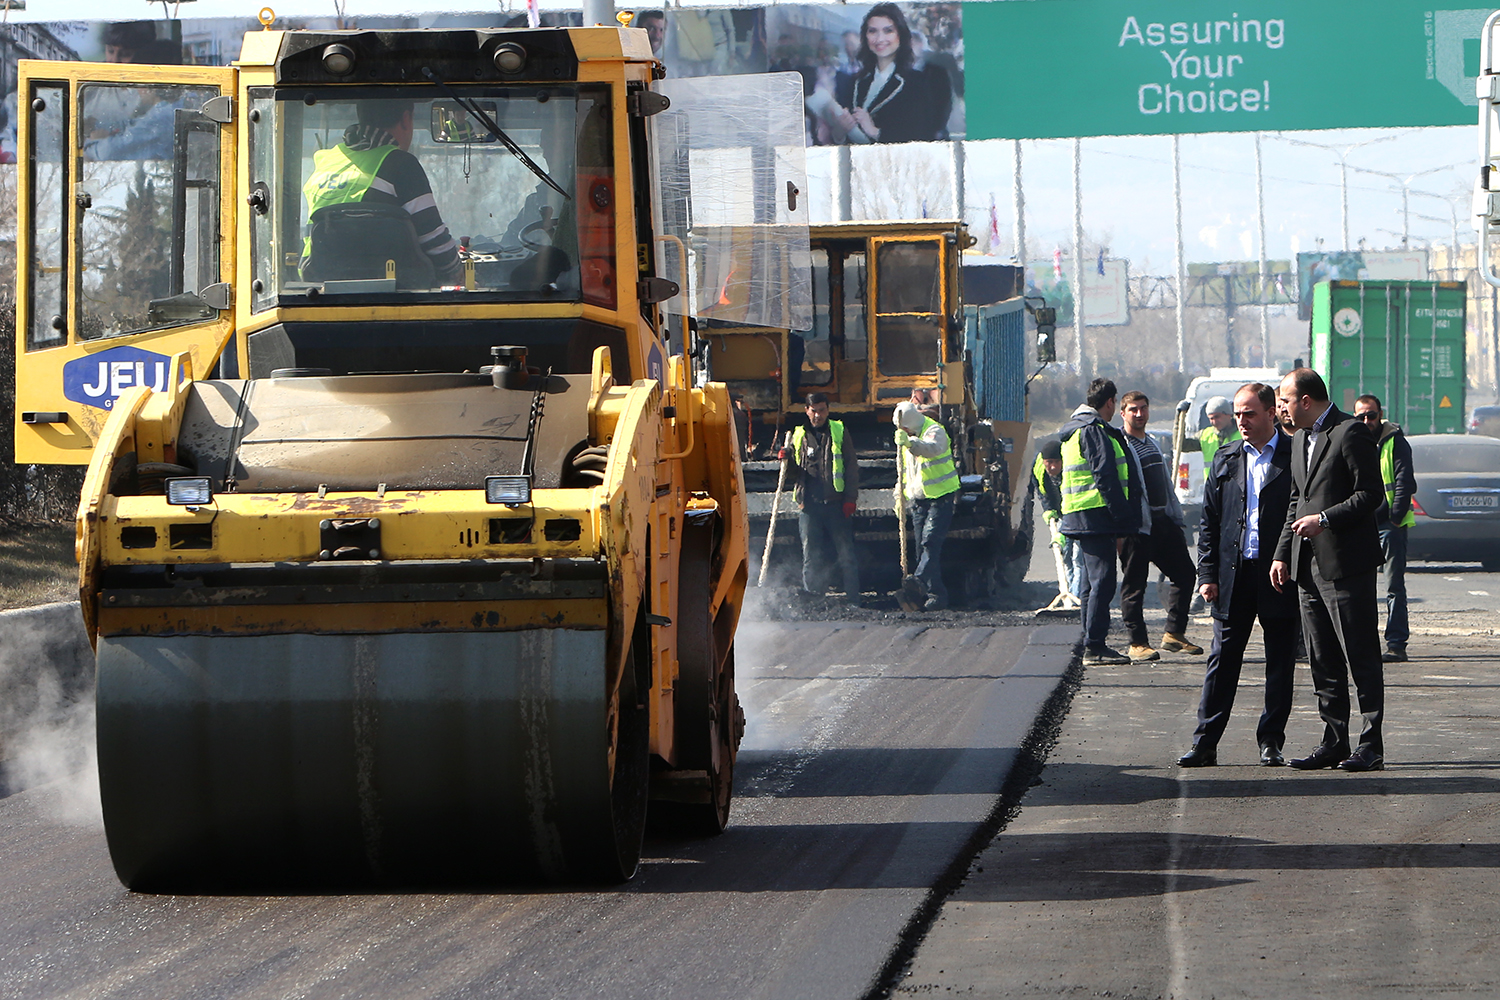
<point>1405,183</point>
<point>1342,152</point>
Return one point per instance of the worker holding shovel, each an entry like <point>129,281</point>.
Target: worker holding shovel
<point>929,481</point>
<point>827,470</point>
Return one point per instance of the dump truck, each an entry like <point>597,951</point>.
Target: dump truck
<point>889,320</point>
<point>409,556</point>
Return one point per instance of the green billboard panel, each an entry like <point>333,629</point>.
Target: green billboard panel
<point>1159,67</point>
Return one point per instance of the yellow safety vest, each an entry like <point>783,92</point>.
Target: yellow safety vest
<point>1079,490</point>
<point>1208,440</point>
<point>939,475</point>
<point>835,428</point>
<point>341,175</point>
<point>1388,473</point>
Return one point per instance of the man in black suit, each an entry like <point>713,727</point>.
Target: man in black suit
<point>1245,499</point>
<point>1331,548</point>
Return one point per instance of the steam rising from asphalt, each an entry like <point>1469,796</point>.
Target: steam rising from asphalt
<point>47,713</point>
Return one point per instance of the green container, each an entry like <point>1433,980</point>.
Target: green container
<point>1401,340</point>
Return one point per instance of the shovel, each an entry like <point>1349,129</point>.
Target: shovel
<point>1064,605</point>
<point>765,559</point>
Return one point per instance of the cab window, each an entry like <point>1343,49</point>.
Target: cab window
<point>412,194</point>
<point>148,199</point>
<point>46,326</point>
<point>909,308</point>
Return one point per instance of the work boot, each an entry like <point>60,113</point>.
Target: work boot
<point>1174,643</point>
<point>1142,654</point>
<point>934,603</point>
<point>1103,656</point>
<point>1394,655</point>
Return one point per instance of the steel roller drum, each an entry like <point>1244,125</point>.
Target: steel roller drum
<point>439,757</point>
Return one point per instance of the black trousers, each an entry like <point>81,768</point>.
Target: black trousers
<point>1228,655</point>
<point>1167,548</point>
<point>1343,638</point>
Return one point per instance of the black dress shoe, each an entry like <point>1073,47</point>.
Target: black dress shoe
<point>1271,757</point>
<point>1199,756</point>
<point>1393,656</point>
<point>1324,756</point>
<point>1364,759</point>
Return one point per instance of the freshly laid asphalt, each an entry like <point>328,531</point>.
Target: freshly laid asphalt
<point>1125,876</point>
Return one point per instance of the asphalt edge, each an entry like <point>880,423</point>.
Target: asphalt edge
<point>1031,758</point>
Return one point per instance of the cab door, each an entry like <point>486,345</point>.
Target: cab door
<point>908,325</point>
<point>124,213</point>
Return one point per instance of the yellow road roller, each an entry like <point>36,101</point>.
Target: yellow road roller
<point>411,546</point>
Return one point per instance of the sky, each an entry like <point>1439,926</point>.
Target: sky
<point>1127,181</point>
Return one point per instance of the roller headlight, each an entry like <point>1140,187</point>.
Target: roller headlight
<point>194,491</point>
<point>338,60</point>
<point>513,491</point>
<point>510,57</point>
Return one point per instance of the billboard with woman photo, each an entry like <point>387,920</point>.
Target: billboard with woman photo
<point>891,72</point>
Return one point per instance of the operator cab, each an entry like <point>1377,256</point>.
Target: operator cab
<point>519,209</point>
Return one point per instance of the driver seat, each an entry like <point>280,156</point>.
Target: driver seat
<point>353,240</point>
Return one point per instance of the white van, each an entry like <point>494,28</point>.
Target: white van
<point>1191,419</point>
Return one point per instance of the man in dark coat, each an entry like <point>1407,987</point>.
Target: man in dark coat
<point>1331,549</point>
<point>1245,497</point>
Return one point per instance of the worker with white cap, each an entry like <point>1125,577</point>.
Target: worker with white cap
<point>1221,429</point>
<point>931,481</point>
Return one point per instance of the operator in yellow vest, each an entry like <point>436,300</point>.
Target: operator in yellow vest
<point>1047,471</point>
<point>827,471</point>
<point>373,165</point>
<point>1221,429</point>
<point>1393,518</point>
<point>926,458</point>
<point>1101,505</point>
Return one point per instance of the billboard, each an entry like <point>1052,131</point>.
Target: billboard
<point>1105,290</point>
<point>1162,67</point>
<point>1353,265</point>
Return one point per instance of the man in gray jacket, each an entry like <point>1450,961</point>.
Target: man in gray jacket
<point>1101,505</point>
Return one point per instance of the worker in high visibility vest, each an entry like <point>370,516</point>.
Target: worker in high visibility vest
<point>822,454</point>
<point>1393,518</point>
<point>373,165</point>
<point>926,456</point>
<point>1221,430</point>
<point>1101,505</point>
<point>1047,472</point>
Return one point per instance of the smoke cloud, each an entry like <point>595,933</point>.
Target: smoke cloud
<point>47,712</point>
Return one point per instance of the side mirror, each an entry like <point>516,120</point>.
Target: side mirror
<point>451,122</point>
<point>1046,334</point>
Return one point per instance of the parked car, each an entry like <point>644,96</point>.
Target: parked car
<point>1457,505</point>
<point>1485,420</point>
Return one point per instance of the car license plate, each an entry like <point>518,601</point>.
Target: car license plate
<point>1461,501</point>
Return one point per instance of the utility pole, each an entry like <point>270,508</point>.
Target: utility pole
<point>1084,373</point>
<point>1018,210</point>
<point>1265,271</point>
<point>1342,152</point>
<point>1181,268</point>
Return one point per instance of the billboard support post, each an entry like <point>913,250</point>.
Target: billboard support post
<point>1181,282</point>
<point>843,184</point>
<point>1260,215</point>
<point>1083,370</point>
<point>960,204</point>
<point>1018,208</point>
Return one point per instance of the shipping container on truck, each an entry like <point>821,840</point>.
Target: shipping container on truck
<point>1401,340</point>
